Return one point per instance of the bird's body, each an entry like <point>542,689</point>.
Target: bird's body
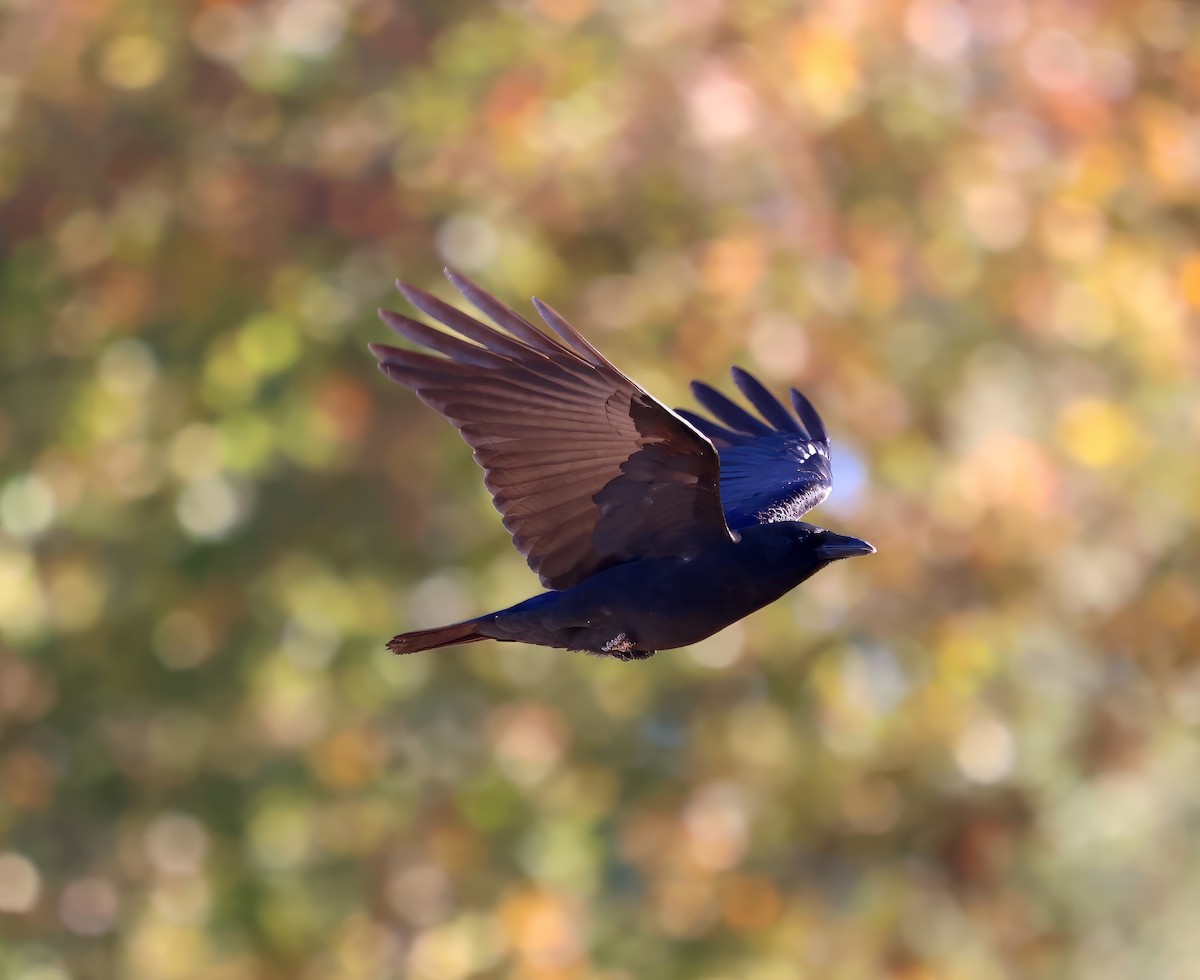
<point>631,610</point>
<point>653,529</point>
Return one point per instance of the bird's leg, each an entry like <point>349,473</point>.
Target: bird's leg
<point>624,647</point>
<point>635,655</point>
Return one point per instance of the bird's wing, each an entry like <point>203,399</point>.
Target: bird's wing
<point>587,469</point>
<point>776,468</point>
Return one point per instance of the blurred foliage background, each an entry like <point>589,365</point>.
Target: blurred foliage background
<point>967,229</point>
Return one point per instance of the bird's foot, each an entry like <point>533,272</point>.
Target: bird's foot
<point>624,648</point>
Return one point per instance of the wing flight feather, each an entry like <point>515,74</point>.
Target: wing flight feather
<point>585,467</point>
<point>772,470</point>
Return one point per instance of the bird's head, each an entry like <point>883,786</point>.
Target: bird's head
<point>820,547</point>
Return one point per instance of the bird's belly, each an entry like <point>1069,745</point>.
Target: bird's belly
<point>666,604</point>
<point>680,618</point>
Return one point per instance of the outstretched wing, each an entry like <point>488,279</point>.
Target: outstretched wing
<point>587,469</point>
<point>772,470</point>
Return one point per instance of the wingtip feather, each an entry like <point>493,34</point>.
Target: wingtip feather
<point>560,325</point>
<point>810,418</point>
<point>410,292</point>
<point>391,318</point>
<point>770,407</point>
<point>727,411</point>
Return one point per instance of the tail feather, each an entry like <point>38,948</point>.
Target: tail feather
<point>440,636</point>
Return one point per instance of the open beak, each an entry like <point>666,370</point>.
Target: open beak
<point>835,546</point>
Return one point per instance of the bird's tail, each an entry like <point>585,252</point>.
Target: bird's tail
<point>441,636</point>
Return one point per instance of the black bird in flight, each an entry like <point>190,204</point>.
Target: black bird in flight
<point>654,529</point>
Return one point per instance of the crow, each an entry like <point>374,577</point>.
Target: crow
<point>652,528</point>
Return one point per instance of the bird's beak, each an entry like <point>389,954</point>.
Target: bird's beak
<point>835,546</point>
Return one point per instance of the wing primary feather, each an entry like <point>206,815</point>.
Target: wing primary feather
<point>430,372</point>
<point>509,319</point>
<point>709,428</point>
<point>415,379</point>
<point>766,403</point>
<point>422,370</point>
<point>438,340</point>
<point>556,322</point>
<point>462,323</point>
<point>565,388</point>
<point>557,428</point>
<point>386,352</point>
<point>809,417</point>
<point>506,408</point>
<point>500,453</point>
<point>727,411</point>
<point>535,431</point>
